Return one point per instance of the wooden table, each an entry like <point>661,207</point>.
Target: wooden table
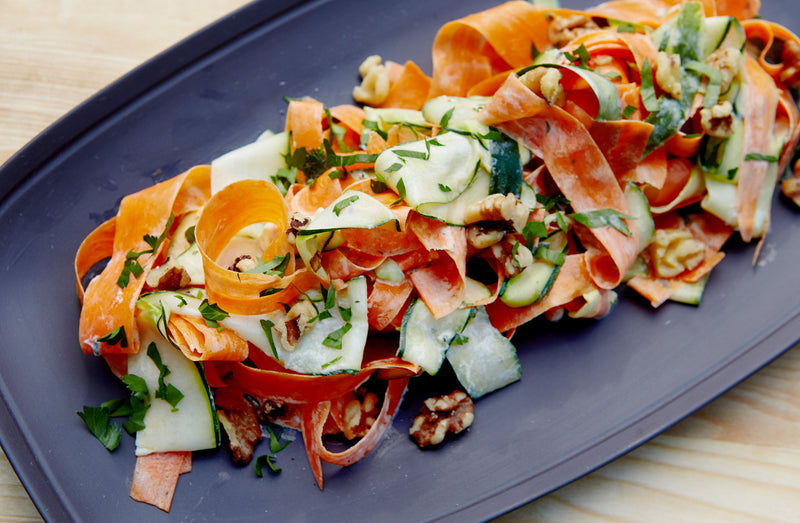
<point>738,459</point>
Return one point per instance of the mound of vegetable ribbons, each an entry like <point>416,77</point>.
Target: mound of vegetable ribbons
<point>552,156</point>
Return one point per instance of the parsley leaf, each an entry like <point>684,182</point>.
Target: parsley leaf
<point>165,391</point>
<point>275,446</point>
<point>581,56</point>
<point>212,314</point>
<point>760,157</point>
<point>343,204</point>
<point>276,266</point>
<point>117,336</point>
<point>401,191</point>
<point>446,117</point>
<point>267,460</point>
<point>648,91</point>
<point>334,360</point>
<point>266,326</point>
<point>603,218</point>
<point>459,339</point>
<point>96,420</point>
<point>334,339</point>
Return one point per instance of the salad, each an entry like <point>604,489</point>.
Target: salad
<point>551,157</point>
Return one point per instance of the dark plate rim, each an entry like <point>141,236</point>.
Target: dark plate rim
<point>69,128</point>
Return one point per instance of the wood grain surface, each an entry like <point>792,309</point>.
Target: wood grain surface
<point>737,459</point>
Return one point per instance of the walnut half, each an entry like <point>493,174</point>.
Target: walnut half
<point>440,416</point>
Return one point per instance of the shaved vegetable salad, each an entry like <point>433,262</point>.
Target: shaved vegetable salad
<point>552,157</point>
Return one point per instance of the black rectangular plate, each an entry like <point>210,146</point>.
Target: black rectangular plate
<point>590,390</point>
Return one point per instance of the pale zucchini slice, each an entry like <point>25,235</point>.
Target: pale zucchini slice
<point>456,112</point>
<point>454,212</point>
<point>314,354</point>
<point>433,170</point>
<point>351,210</point>
<point>531,285</point>
<point>424,339</point>
<point>639,210</point>
<point>484,360</point>
<point>192,425</point>
<point>259,160</point>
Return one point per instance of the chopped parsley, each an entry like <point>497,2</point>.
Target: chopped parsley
<point>166,391</point>
<point>115,337</point>
<point>275,446</point>
<point>132,266</point>
<point>603,218</point>
<point>334,339</point>
<point>97,421</point>
<point>343,204</point>
<point>212,314</point>
<point>459,339</point>
<point>266,326</point>
<point>760,157</point>
<point>275,267</point>
<point>446,118</point>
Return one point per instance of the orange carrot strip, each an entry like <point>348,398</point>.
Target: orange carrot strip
<point>385,301</point>
<point>645,12</point>
<point>381,241</point>
<point>410,90</point>
<point>106,305</point>
<point>656,290</point>
<point>440,285</point>
<point>350,116</point>
<point>577,166</point>
<point>226,213</point>
<point>304,120</point>
<point>622,143</point>
<point>309,199</point>
<point>573,280</point>
<point>314,419</point>
<point>345,264</point>
<point>97,246</point>
<point>478,46</point>
<point>293,388</point>
<point>416,258</point>
<point>741,9</point>
<point>678,171</point>
<point>761,105</point>
<point>199,342</point>
<point>155,477</point>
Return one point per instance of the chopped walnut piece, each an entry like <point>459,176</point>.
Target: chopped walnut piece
<point>243,430</point>
<point>481,237</point>
<point>300,316</point>
<point>726,61</point>
<point>546,81</point>
<point>296,222</point>
<point>563,29</point>
<point>359,416</point>
<point>668,74</point>
<point>498,208</point>
<point>675,251</point>
<point>717,120</point>
<point>453,412</point>
<point>243,264</point>
<point>375,83</point>
<point>791,189</point>
<point>513,255</point>
<point>790,56</point>
<point>173,278</point>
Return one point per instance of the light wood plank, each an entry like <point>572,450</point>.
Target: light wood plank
<point>737,459</point>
